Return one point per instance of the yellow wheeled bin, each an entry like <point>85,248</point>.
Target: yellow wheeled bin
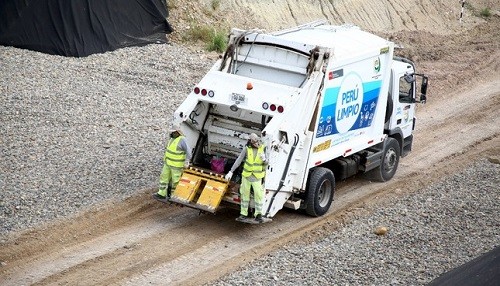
<point>200,189</point>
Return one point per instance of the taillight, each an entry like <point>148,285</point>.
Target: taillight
<point>204,91</point>
<point>273,107</point>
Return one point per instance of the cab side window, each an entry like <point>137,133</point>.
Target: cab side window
<point>405,91</point>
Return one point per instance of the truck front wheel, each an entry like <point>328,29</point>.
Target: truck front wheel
<point>389,163</point>
<point>320,191</point>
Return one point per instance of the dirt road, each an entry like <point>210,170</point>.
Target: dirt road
<point>142,241</point>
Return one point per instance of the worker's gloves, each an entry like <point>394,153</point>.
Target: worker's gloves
<point>186,165</point>
<point>228,176</point>
<point>263,157</point>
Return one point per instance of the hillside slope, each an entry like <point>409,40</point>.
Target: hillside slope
<point>436,16</point>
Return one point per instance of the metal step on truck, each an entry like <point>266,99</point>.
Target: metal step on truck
<point>328,101</point>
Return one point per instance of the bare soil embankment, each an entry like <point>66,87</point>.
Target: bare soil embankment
<point>440,17</point>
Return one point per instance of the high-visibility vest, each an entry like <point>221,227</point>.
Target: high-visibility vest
<point>253,165</point>
<point>173,157</point>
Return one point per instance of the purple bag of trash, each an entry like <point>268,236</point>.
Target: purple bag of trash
<point>217,164</point>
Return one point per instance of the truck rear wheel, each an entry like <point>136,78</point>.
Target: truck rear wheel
<point>389,164</point>
<point>320,191</point>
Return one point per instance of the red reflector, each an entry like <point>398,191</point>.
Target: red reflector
<point>185,181</point>
<point>370,142</point>
<point>196,90</point>
<point>203,92</point>
<point>317,163</point>
<point>281,109</point>
<point>273,107</point>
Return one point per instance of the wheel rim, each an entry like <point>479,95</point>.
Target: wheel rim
<point>390,160</point>
<point>324,193</point>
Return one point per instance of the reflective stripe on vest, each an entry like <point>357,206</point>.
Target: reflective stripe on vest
<point>173,157</point>
<point>253,165</point>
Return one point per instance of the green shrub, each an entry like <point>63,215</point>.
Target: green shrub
<point>215,40</point>
<point>199,33</point>
<point>486,12</point>
<point>218,42</point>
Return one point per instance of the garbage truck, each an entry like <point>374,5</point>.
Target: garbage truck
<point>329,102</point>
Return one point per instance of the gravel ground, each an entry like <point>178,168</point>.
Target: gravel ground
<point>77,131</point>
<point>429,232</point>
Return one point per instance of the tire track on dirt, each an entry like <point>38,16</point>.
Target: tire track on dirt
<point>156,243</point>
<point>64,256</point>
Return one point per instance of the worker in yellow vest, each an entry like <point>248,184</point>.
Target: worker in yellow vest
<point>177,156</point>
<point>254,171</point>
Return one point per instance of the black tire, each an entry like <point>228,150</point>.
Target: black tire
<point>320,191</point>
<point>389,164</point>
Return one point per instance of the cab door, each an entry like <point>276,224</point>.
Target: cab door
<point>405,105</point>
<point>402,93</point>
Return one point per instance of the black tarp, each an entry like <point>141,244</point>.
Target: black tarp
<point>481,271</point>
<point>82,27</point>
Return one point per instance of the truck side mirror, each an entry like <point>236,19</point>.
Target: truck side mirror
<point>423,87</point>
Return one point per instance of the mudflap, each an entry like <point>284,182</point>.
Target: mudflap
<point>252,220</point>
